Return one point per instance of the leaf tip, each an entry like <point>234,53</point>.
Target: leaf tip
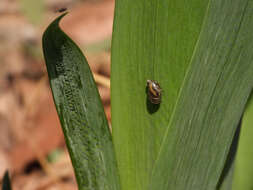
<point>53,25</point>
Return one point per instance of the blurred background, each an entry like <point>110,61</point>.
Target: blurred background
<point>32,146</point>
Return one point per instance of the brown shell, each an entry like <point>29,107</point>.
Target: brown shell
<point>154,92</point>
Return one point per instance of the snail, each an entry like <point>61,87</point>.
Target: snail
<point>154,92</point>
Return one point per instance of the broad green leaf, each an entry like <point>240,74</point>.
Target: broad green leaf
<point>158,40</point>
<point>211,101</point>
<point>244,165</point>
<point>155,40</point>
<point>6,183</point>
<point>80,111</point>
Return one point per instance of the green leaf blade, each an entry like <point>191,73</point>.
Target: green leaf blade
<point>211,103</point>
<point>80,111</point>
<point>151,40</point>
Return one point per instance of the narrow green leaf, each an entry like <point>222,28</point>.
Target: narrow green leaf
<point>211,102</point>
<point>244,165</point>
<point>6,183</point>
<point>155,40</point>
<point>80,111</point>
